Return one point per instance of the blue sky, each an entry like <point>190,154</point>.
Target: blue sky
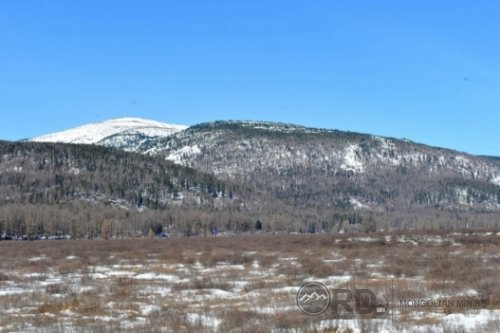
<point>423,70</point>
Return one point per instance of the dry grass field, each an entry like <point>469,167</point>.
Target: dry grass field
<point>248,283</point>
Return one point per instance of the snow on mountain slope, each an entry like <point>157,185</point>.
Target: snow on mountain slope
<point>93,133</point>
<point>309,166</point>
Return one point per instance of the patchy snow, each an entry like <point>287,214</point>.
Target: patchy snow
<point>13,291</point>
<point>270,310</point>
<point>74,171</point>
<point>357,204</point>
<point>462,159</point>
<point>470,293</point>
<point>496,180</point>
<point>468,322</point>
<point>203,320</point>
<point>147,309</point>
<point>153,276</point>
<point>34,275</point>
<point>149,290</point>
<point>461,195</point>
<point>221,294</point>
<point>121,273</point>
<point>332,280</point>
<point>37,258</point>
<point>16,169</point>
<point>286,290</point>
<point>97,276</point>
<point>179,155</point>
<point>351,160</point>
<point>222,266</point>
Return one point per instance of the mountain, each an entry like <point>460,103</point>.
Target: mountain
<point>118,131</point>
<point>309,167</point>
<point>318,179</point>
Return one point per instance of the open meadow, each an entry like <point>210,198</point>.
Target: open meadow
<point>249,283</point>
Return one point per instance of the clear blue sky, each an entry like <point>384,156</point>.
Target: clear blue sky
<point>423,70</point>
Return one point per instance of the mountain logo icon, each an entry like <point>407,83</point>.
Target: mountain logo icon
<point>313,298</point>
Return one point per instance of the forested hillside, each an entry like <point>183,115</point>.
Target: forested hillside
<point>87,190</point>
<point>242,176</point>
<point>308,167</point>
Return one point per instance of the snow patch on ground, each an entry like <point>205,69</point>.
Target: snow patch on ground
<point>203,320</point>
<point>351,160</point>
<point>468,322</point>
<point>179,155</point>
<point>37,258</point>
<point>147,309</point>
<point>461,195</point>
<point>357,204</point>
<point>153,276</point>
<point>13,291</point>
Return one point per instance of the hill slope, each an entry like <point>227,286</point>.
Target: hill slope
<point>83,186</point>
<point>315,167</point>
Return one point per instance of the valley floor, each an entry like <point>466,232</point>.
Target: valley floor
<point>249,283</point>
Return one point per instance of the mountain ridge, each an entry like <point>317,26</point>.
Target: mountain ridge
<point>174,128</point>
<point>326,168</point>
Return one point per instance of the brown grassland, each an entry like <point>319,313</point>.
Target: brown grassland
<point>246,283</point>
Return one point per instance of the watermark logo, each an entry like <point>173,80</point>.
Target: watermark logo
<point>458,303</point>
<point>357,301</point>
<point>313,298</point>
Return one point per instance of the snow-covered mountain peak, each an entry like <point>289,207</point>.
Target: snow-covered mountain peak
<point>96,132</point>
